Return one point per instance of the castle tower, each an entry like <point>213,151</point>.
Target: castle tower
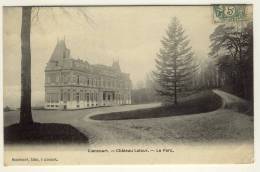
<point>60,51</point>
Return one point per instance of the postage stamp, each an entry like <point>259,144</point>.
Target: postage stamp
<point>229,13</point>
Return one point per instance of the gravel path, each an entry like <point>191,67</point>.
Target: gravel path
<point>223,125</point>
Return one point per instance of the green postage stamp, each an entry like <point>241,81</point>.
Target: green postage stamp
<point>229,13</point>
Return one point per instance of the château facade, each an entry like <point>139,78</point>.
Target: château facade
<point>76,84</point>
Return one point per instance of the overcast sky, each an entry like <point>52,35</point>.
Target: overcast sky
<point>130,34</point>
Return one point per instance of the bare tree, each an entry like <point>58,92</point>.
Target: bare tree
<point>25,112</point>
<point>25,106</point>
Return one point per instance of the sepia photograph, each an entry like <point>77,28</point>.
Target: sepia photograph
<point>154,84</point>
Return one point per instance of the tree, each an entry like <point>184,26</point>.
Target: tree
<point>25,112</point>
<point>232,49</point>
<point>207,76</point>
<point>175,64</point>
<point>25,106</point>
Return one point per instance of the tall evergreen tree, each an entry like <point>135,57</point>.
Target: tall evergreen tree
<point>175,64</point>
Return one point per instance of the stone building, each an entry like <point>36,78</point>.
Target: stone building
<point>76,84</point>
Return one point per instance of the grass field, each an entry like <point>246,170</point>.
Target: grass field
<point>200,102</point>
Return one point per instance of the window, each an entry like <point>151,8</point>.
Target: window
<point>47,79</point>
<point>81,95</point>
<point>61,95</point>
<point>68,95</point>
<point>52,97</point>
<point>91,96</point>
<point>65,97</point>
<point>57,78</point>
<point>87,97</point>
<point>77,97</point>
<point>94,82</point>
<point>74,96</point>
<point>78,79</point>
<point>95,96</point>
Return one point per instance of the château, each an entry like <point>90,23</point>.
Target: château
<point>75,84</point>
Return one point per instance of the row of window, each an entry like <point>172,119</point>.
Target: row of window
<point>81,96</point>
<point>80,80</point>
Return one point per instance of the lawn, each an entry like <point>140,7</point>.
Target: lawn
<point>200,102</point>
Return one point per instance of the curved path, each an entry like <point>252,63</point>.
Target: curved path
<point>222,125</point>
<point>227,124</point>
<point>233,102</point>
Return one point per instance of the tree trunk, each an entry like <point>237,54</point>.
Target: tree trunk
<point>25,112</point>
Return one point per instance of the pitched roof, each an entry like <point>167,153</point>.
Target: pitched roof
<point>60,51</point>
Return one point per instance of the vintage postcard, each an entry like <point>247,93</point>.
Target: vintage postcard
<point>128,84</point>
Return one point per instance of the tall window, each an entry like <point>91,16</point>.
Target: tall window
<point>87,97</point>
<point>77,96</point>
<point>68,95</point>
<point>91,96</point>
<point>78,79</point>
<point>104,96</point>
<point>65,97</point>
<point>48,98</point>
<point>52,98</point>
<point>61,95</point>
<point>94,82</point>
<point>57,78</point>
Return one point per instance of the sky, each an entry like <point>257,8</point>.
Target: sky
<point>98,35</point>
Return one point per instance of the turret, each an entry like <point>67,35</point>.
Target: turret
<point>60,51</point>
<point>116,65</point>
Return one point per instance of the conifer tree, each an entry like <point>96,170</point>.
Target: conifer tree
<point>175,65</point>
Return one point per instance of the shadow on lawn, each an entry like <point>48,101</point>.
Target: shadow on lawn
<point>201,102</point>
<point>46,133</point>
